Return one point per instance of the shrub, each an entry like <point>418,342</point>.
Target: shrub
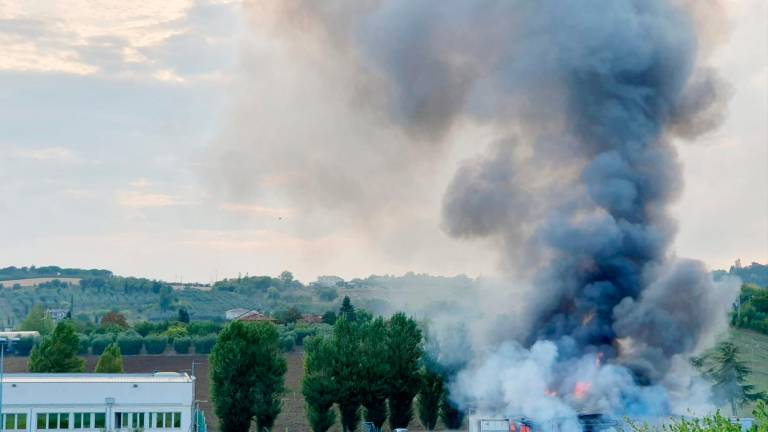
<point>176,331</point>
<point>181,345</point>
<point>304,332</point>
<point>24,345</point>
<point>130,344</point>
<point>204,344</point>
<point>155,344</point>
<point>85,344</point>
<point>202,328</point>
<point>100,343</point>
<point>287,342</point>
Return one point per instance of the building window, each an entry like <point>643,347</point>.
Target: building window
<point>100,420</point>
<point>51,421</point>
<point>15,421</point>
<point>137,420</point>
<point>167,420</point>
<point>41,421</point>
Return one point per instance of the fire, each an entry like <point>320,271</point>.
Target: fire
<point>581,389</point>
<point>588,318</point>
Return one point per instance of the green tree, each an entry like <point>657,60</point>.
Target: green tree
<point>329,317</point>
<point>318,385</point>
<point>404,353</point>
<point>430,395</point>
<point>247,376</point>
<point>347,372</point>
<point>729,376</point>
<point>111,360</point>
<point>183,316</point>
<point>115,319</point>
<point>375,370</point>
<point>38,321</point>
<point>347,310</point>
<point>57,353</point>
<point>450,414</point>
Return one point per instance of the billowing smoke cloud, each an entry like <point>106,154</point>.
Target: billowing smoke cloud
<point>584,99</point>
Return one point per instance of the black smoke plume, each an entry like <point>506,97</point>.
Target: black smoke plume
<point>586,98</point>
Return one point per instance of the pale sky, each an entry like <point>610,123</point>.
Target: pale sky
<point>118,119</point>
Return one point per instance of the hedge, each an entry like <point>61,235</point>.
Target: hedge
<point>130,344</point>
<point>204,344</point>
<point>100,343</point>
<point>85,344</point>
<point>181,345</point>
<point>155,344</point>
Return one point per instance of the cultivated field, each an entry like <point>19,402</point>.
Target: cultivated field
<point>37,281</point>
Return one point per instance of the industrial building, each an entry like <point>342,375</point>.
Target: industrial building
<point>162,401</point>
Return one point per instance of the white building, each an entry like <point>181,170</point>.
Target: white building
<point>159,402</point>
<point>234,313</point>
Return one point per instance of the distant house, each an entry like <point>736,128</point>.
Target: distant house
<point>56,314</point>
<point>234,313</point>
<point>254,316</point>
<point>312,319</point>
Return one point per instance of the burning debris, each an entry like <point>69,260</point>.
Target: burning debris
<point>585,99</point>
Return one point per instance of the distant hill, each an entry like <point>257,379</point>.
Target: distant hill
<point>32,272</point>
<point>755,273</point>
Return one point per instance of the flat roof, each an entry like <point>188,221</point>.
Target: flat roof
<point>157,377</point>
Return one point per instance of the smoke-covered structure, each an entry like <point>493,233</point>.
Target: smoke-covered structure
<point>584,98</point>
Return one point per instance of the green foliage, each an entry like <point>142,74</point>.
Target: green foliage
<point>287,342</point>
<point>751,310</point>
<point>58,352</point>
<point>155,344</point>
<point>728,374</point>
<point>450,414</point>
<point>183,316</point>
<point>347,310</point>
<point>175,331</point>
<point>329,317</point>
<point>375,370</point>
<point>761,416</point>
<point>303,333</point>
<point>115,320</point>
<point>202,328</point>
<point>247,376</point>
<point>10,273</point>
<point>110,361</point>
<point>204,344</point>
<point>404,349</point>
<point>144,328</point>
<point>37,321</point>
<point>328,294</point>
<point>318,386</point>
<point>347,371</point>
<point>181,345</point>
<point>430,394</point>
<point>288,316</point>
<point>24,346</point>
<point>130,344</point>
<point>100,343</point>
<point>85,344</point>
<point>713,423</point>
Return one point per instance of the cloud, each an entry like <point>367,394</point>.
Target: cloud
<point>139,200</point>
<point>257,211</point>
<point>172,40</point>
<point>52,154</point>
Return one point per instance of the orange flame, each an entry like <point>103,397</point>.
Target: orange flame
<point>581,389</point>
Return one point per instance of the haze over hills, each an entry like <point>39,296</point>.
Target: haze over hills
<point>93,292</point>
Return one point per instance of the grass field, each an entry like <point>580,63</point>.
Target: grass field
<point>754,347</point>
